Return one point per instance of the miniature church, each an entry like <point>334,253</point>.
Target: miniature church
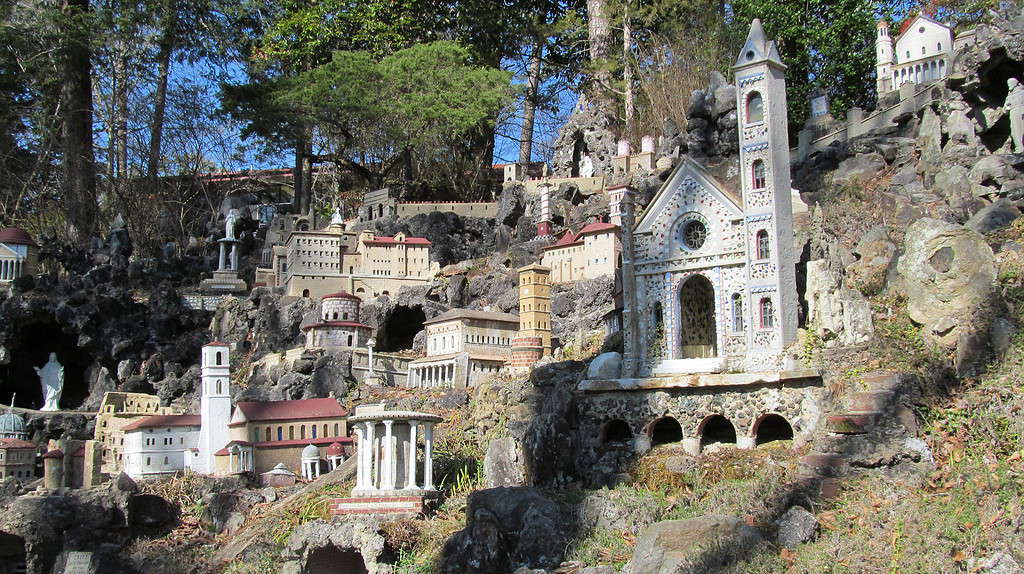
<point>709,281</point>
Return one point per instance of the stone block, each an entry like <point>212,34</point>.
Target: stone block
<point>851,423</point>
<point>795,527</point>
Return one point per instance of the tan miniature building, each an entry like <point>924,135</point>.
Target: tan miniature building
<point>19,255</point>
<point>533,341</point>
<point>591,253</point>
<point>463,347</point>
<point>339,327</point>
<point>17,458</point>
<point>117,411</point>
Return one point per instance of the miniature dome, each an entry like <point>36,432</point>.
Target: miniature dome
<point>335,449</point>
<point>11,424</point>
<point>310,451</point>
<point>16,236</point>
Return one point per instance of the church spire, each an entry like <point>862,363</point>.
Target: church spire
<point>757,48</point>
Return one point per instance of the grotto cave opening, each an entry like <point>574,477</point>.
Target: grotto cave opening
<point>400,328</point>
<point>31,348</point>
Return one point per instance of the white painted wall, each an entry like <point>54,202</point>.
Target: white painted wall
<point>158,450</point>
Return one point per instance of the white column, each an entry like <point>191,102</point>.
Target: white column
<point>388,478</point>
<point>222,260</point>
<point>360,463</point>
<point>234,257</point>
<point>370,456</point>
<point>231,461</point>
<point>428,454</point>
<point>410,461</point>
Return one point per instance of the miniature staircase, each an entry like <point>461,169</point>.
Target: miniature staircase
<point>859,414</point>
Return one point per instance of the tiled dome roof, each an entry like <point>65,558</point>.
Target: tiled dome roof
<point>11,423</point>
<point>310,451</point>
<point>335,449</point>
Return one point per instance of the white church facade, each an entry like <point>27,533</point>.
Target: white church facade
<point>921,53</point>
<point>709,280</point>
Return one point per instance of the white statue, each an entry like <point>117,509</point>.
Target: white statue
<point>586,167</point>
<point>337,219</point>
<point>1015,108</point>
<point>51,375</point>
<point>229,224</point>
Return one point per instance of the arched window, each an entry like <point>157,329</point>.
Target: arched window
<point>219,387</point>
<point>923,50</point>
<point>313,429</point>
<point>335,315</point>
<point>305,292</point>
<point>219,359</point>
<point>767,313</point>
<point>280,433</point>
<point>737,312</point>
<point>325,430</point>
<point>268,434</point>
<point>336,429</point>
<point>763,247</point>
<point>291,432</point>
<point>302,431</point>
<point>755,108</point>
<point>350,340</point>
<point>939,47</point>
<point>758,175</point>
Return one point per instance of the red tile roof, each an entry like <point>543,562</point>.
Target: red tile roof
<point>290,410</point>
<point>16,443</point>
<point>569,238</point>
<point>393,241</point>
<point>55,453</point>
<point>341,295</point>
<point>217,344</point>
<point>164,421</point>
<point>597,227</point>
<point>282,443</point>
<point>16,236</point>
<point>335,449</point>
<point>337,324</point>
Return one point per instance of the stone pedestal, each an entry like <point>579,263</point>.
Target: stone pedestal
<point>225,278</point>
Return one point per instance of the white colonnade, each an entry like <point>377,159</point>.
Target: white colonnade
<point>387,453</point>
<point>431,376</point>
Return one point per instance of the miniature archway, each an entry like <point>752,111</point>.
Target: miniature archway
<point>331,559</point>
<point>13,557</point>
<point>697,332</point>
<point>716,429</point>
<point>665,430</point>
<point>772,427</point>
<point>616,432</point>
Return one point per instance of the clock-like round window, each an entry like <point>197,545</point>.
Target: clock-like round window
<point>694,234</point>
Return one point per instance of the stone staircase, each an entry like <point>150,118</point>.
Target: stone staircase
<point>860,412</point>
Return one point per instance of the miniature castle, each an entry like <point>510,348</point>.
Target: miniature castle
<point>339,327</point>
<point>922,52</point>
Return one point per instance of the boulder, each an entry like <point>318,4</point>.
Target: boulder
<point>838,315</point>
<point>795,527</point>
<point>605,366</point>
<point>858,170</point>
<point>993,217</point>
<point>993,171</point>
<point>696,545</point>
<point>948,272</point>
<point>504,464</point>
<point>506,529</point>
<point>875,253</point>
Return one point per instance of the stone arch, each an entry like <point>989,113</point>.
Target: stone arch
<point>616,431</point>
<point>664,430</point>
<point>13,555</point>
<point>771,427</point>
<point>331,559</point>
<point>697,331</point>
<point>716,429</point>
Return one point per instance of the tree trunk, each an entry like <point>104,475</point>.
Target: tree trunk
<point>530,102</point>
<point>600,39</point>
<point>298,181</point>
<point>120,111</point>
<point>76,118</point>
<point>169,24</point>
<point>627,67</point>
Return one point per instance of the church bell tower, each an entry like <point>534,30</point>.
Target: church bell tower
<point>214,405</point>
<point>771,301</point>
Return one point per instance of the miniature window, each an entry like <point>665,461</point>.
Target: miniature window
<point>268,434</point>
<point>219,359</point>
<point>280,433</point>
<point>755,108</point>
<point>694,234</point>
<point>763,249</point>
<point>737,312</point>
<point>938,47</point>
<point>291,432</point>
<point>313,428</point>
<point>767,314</point>
<point>220,387</point>
<point>759,175</point>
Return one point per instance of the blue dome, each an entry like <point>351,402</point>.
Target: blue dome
<point>11,423</point>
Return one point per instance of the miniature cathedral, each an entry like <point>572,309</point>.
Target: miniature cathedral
<point>710,272</point>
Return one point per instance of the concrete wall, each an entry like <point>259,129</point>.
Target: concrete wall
<point>163,455</point>
<point>484,209</point>
<point>393,367</point>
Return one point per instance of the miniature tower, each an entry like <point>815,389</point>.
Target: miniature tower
<point>544,221</point>
<point>883,59</point>
<point>215,405</point>
<point>533,341</point>
<point>764,164</point>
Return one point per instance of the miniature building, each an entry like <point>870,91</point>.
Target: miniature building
<point>463,347</point>
<point>17,458</point>
<point>156,446</point>
<point>923,53</point>
<point>117,411</point>
<point>339,326</point>
<point>65,464</point>
<point>18,255</point>
<point>388,478</point>
<point>278,477</point>
<point>624,162</point>
<point>12,425</point>
<point>380,203</point>
<point>321,262</point>
<point>589,254</point>
<point>709,270</point>
<point>533,341</point>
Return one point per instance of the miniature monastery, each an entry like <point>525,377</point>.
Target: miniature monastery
<point>709,301</point>
<point>463,347</point>
<point>18,255</point>
<point>922,53</point>
<point>339,327</point>
<point>251,437</point>
<point>17,454</point>
<point>591,253</point>
<point>117,411</point>
<point>380,203</point>
<point>316,263</point>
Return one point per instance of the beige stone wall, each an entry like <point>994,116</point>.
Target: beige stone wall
<point>17,462</point>
<point>483,209</point>
<point>601,254</point>
<point>290,430</point>
<point>396,260</point>
<point>566,263</point>
<point>117,411</point>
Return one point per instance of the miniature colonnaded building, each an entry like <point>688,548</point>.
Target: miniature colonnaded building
<point>923,52</point>
<point>463,347</point>
<point>19,255</point>
<point>709,296</point>
<point>321,262</point>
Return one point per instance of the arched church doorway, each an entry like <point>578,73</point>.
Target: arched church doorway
<point>697,331</point>
<point>717,430</point>
<point>771,428</point>
<point>334,560</point>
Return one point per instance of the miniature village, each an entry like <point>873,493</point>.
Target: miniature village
<point>730,348</point>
